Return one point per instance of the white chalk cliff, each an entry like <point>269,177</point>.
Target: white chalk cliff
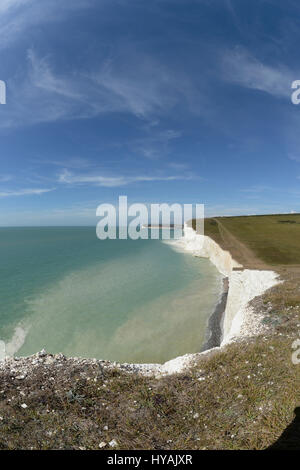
<point>239,317</point>
<point>244,284</point>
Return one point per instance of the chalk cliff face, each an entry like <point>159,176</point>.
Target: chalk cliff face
<point>201,245</point>
<point>239,318</point>
<point>244,284</point>
<point>243,287</point>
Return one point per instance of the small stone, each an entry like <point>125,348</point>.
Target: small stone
<point>113,443</point>
<point>42,353</point>
<point>24,406</point>
<point>196,416</point>
<point>102,444</point>
<point>49,360</point>
<point>105,428</point>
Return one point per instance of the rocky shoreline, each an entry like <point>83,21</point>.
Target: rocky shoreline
<point>215,323</point>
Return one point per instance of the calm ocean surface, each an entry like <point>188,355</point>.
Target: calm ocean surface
<point>64,290</point>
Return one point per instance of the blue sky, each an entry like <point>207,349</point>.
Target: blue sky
<point>183,101</point>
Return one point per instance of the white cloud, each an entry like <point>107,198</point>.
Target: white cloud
<point>5,178</point>
<point>43,97</point>
<point>113,181</point>
<point>138,85</point>
<point>17,16</point>
<point>7,5</point>
<point>42,77</point>
<point>257,189</point>
<point>75,162</point>
<point>295,157</point>
<point>242,68</point>
<point>24,192</point>
<point>156,144</point>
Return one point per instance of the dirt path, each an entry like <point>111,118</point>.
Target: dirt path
<point>239,251</point>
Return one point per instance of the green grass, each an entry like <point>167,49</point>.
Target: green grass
<point>275,239</point>
<point>211,229</point>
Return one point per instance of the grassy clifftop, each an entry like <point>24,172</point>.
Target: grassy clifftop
<point>270,239</point>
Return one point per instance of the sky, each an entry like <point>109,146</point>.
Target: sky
<point>164,101</point>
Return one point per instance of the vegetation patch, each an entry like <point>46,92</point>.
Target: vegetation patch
<point>273,239</point>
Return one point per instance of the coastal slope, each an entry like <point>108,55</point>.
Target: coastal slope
<point>245,395</point>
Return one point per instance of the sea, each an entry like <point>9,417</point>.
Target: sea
<point>64,290</point>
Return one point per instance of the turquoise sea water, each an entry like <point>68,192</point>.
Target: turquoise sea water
<point>64,290</point>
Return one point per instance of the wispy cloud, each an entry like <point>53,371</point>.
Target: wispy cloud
<point>242,68</point>
<point>17,16</point>
<point>7,5</point>
<point>25,192</point>
<point>74,163</point>
<point>178,166</point>
<point>5,178</point>
<point>42,77</point>
<point>140,86</point>
<point>257,189</point>
<point>294,156</point>
<point>113,181</point>
<point>236,21</point>
<point>155,145</point>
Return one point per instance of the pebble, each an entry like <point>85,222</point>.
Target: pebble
<point>102,444</point>
<point>42,353</point>
<point>113,443</point>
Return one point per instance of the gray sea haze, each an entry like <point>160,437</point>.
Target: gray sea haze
<point>64,290</point>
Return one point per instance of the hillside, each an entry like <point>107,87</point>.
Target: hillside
<point>242,397</point>
<point>258,241</point>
